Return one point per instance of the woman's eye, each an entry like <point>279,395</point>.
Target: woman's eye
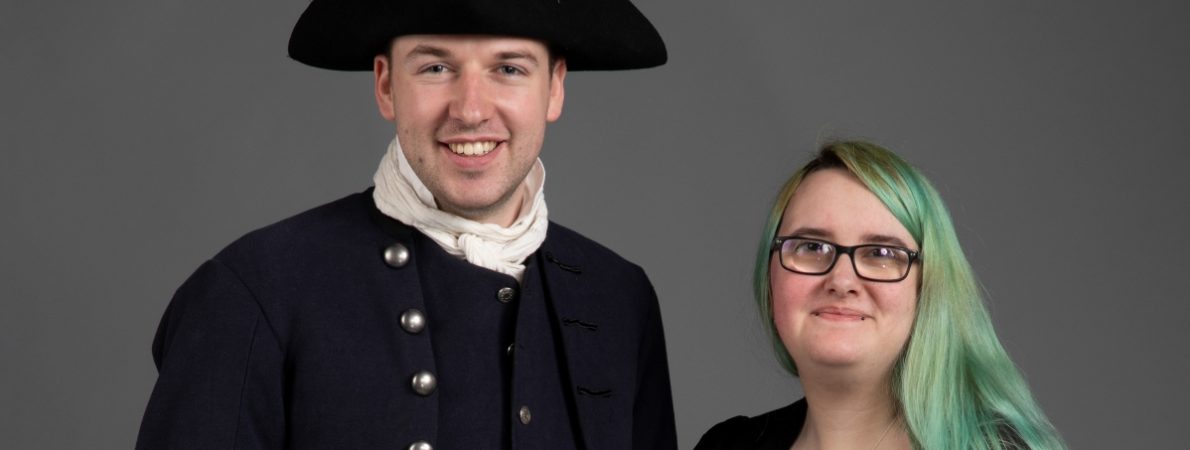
<point>813,247</point>
<point>881,253</point>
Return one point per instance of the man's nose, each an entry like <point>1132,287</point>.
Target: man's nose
<point>471,103</point>
<point>842,279</point>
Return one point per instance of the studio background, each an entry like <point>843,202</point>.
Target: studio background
<point>139,137</point>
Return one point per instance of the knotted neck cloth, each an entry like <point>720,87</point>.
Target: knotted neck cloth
<point>400,194</point>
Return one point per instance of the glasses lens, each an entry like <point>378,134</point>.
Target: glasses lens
<point>807,256</point>
<point>881,263</point>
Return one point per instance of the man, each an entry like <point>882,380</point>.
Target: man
<point>440,309</point>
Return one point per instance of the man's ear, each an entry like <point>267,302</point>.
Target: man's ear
<point>557,90</point>
<point>382,68</point>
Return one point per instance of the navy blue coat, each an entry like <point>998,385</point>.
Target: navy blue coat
<point>290,338</point>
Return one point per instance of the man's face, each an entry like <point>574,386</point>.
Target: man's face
<point>470,113</point>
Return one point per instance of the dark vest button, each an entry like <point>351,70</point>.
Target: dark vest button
<point>505,294</point>
<point>396,256</point>
<point>413,321</point>
<point>420,445</point>
<point>424,383</point>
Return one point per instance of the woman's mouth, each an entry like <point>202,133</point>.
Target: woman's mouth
<point>841,314</point>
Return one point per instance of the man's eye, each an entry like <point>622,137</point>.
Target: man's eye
<point>510,70</point>
<point>436,68</point>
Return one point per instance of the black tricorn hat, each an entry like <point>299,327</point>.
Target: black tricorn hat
<point>590,34</point>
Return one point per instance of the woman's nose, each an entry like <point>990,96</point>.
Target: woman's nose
<point>842,279</point>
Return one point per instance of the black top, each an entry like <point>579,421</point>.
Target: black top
<point>472,331</point>
<point>775,429</point>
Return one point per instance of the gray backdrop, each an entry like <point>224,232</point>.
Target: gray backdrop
<point>140,136</point>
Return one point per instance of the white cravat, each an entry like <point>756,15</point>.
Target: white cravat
<point>400,194</point>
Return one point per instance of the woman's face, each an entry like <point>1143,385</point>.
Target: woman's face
<point>839,320</point>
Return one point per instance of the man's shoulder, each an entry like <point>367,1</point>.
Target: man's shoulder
<point>313,231</point>
<point>564,244</point>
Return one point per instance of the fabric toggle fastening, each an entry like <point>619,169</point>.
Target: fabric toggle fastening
<point>579,323</point>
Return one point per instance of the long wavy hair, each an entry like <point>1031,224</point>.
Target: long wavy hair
<point>954,383</point>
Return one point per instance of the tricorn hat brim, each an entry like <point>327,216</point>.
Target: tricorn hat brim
<point>589,34</point>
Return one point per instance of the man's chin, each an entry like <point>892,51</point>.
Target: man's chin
<point>482,208</point>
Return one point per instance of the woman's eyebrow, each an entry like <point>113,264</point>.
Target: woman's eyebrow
<point>870,238</point>
<point>811,232</point>
<point>884,239</point>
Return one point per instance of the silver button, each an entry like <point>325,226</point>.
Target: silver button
<point>396,256</point>
<point>424,383</point>
<point>525,415</point>
<point>505,294</point>
<point>421,445</point>
<point>413,321</point>
<point>510,347</point>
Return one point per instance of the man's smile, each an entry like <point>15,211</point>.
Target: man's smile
<point>477,148</point>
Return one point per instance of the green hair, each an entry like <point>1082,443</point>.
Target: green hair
<point>954,383</point>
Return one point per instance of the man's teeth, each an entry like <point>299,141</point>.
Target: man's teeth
<point>472,148</point>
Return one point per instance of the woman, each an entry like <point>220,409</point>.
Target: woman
<point>870,302</point>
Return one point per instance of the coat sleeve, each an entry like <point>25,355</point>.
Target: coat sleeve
<point>219,365</point>
<point>653,410</point>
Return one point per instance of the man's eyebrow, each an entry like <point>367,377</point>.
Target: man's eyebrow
<point>427,50</point>
<point>513,54</point>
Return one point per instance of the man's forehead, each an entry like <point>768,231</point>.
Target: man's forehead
<point>447,45</point>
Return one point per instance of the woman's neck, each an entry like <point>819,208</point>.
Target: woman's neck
<point>850,413</point>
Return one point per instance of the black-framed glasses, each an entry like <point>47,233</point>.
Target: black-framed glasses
<point>874,262</point>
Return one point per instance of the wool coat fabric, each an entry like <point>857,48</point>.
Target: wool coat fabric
<point>290,338</point>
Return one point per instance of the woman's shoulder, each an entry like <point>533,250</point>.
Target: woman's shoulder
<point>776,429</point>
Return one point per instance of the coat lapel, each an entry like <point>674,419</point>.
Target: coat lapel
<point>573,288</point>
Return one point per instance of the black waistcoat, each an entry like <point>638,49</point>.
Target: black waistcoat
<point>494,393</point>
